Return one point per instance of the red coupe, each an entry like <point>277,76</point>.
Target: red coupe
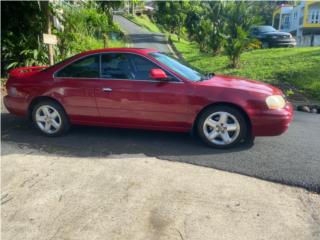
<point>143,88</point>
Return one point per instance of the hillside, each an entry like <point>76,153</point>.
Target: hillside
<point>297,68</point>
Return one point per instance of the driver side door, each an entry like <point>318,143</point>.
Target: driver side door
<point>127,96</point>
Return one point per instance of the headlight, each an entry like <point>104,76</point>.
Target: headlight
<point>275,102</point>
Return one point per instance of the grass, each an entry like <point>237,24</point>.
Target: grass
<point>298,67</point>
<point>144,21</point>
<point>116,43</point>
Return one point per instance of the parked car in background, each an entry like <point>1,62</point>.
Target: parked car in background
<point>270,37</point>
<point>143,88</point>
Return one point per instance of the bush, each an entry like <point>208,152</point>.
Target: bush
<point>85,28</point>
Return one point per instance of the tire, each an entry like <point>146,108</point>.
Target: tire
<point>265,45</point>
<point>47,113</point>
<point>222,127</point>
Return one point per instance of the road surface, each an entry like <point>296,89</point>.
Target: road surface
<point>141,38</point>
<point>293,158</point>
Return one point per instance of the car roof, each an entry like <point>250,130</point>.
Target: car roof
<point>130,50</point>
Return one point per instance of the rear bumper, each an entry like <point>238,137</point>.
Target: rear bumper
<point>272,122</point>
<point>16,105</point>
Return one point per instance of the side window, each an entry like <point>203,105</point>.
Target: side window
<point>143,66</point>
<point>87,67</point>
<point>116,66</point>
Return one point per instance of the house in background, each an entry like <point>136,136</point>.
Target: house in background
<point>302,21</point>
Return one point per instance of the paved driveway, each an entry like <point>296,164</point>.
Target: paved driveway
<point>293,158</point>
<point>140,37</point>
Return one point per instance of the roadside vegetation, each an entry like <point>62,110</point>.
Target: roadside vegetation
<point>213,37</point>
<point>84,25</point>
<point>295,68</point>
<point>144,21</point>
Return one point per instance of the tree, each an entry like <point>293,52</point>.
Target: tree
<point>23,23</point>
<point>215,14</point>
<point>238,19</point>
<point>108,6</point>
<point>193,18</point>
<point>171,15</point>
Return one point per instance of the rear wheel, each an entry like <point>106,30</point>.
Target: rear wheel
<point>50,118</point>
<point>222,126</point>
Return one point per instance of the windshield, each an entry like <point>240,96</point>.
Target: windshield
<point>178,67</point>
<point>266,29</point>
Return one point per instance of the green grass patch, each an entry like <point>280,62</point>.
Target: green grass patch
<point>299,67</point>
<point>116,43</point>
<point>144,21</point>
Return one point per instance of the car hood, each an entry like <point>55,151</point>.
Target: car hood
<point>277,34</point>
<point>241,84</point>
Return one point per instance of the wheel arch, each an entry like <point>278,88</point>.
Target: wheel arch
<point>38,99</point>
<point>245,114</point>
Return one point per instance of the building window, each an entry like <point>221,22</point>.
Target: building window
<point>286,21</point>
<point>314,16</point>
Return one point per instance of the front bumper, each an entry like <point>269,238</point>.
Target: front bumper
<point>272,122</point>
<point>282,43</point>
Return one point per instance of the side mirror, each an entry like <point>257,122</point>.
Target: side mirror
<point>158,74</point>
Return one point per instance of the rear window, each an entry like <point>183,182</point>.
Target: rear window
<point>87,67</point>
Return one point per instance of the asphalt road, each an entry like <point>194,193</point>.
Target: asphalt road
<point>292,158</point>
<point>140,37</point>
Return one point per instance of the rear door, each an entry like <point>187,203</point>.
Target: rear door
<point>75,84</point>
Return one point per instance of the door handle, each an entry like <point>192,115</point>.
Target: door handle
<point>107,89</point>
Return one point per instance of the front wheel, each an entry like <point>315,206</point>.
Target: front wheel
<point>222,126</point>
<point>50,118</point>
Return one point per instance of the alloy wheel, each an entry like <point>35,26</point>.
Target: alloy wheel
<point>221,128</point>
<point>48,119</point>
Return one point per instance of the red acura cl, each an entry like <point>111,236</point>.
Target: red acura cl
<point>143,88</point>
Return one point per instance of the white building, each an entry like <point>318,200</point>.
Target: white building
<point>302,21</point>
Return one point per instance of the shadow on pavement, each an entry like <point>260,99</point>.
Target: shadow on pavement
<point>287,159</point>
<point>98,141</point>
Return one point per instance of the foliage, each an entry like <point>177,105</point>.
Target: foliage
<point>215,14</point>
<point>85,28</point>
<point>298,67</point>
<point>87,25</point>
<point>237,23</point>
<point>22,27</point>
<point>172,15</point>
<point>144,21</point>
<point>107,7</point>
<point>214,25</point>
